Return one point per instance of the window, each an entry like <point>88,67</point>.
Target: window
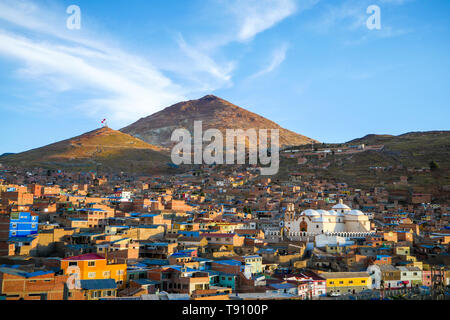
<point>106,274</point>
<point>350,282</point>
<point>73,264</point>
<point>363,281</point>
<point>91,263</point>
<point>331,282</point>
<point>341,282</point>
<point>119,272</point>
<point>14,225</point>
<point>91,275</point>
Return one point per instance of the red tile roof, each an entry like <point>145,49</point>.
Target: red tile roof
<point>88,256</point>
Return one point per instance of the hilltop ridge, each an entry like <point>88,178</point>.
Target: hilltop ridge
<point>214,112</point>
<point>101,147</point>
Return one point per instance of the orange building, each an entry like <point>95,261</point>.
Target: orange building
<point>92,266</point>
<point>51,191</point>
<point>228,239</point>
<point>36,190</point>
<point>178,205</point>
<point>20,198</point>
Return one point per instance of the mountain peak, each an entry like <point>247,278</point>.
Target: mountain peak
<point>210,97</point>
<point>214,112</point>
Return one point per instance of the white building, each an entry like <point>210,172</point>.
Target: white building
<point>322,240</point>
<point>125,196</point>
<point>385,273</point>
<point>341,220</point>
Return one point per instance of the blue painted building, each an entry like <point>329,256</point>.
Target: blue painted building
<point>22,224</point>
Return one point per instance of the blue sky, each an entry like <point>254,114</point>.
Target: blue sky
<point>312,66</point>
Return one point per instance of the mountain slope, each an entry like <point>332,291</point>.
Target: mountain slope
<point>103,147</point>
<point>414,149</point>
<point>402,155</point>
<point>215,113</point>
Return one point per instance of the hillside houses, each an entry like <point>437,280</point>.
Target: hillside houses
<point>215,234</point>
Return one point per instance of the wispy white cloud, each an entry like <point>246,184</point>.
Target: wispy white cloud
<point>204,63</point>
<point>252,17</point>
<point>255,16</point>
<point>244,21</point>
<point>278,56</point>
<point>126,86</point>
<point>117,83</point>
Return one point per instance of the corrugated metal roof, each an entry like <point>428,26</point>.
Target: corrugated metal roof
<point>101,284</point>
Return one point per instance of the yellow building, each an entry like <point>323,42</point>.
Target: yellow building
<point>227,227</point>
<point>94,267</point>
<point>403,251</point>
<point>346,282</point>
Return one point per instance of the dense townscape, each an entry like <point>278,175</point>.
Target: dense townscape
<point>224,159</point>
<point>213,233</point>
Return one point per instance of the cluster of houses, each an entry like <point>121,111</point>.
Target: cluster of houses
<point>214,234</point>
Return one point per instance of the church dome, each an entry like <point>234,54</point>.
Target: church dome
<point>318,219</point>
<point>323,212</point>
<point>310,212</point>
<point>355,213</point>
<point>332,213</point>
<point>341,206</point>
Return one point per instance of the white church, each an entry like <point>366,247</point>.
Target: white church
<point>341,221</point>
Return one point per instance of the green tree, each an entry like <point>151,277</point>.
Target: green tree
<point>433,165</point>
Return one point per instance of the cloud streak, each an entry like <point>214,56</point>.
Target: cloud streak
<point>256,16</point>
<point>278,57</point>
<point>118,84</point>
<point>126,85</point>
